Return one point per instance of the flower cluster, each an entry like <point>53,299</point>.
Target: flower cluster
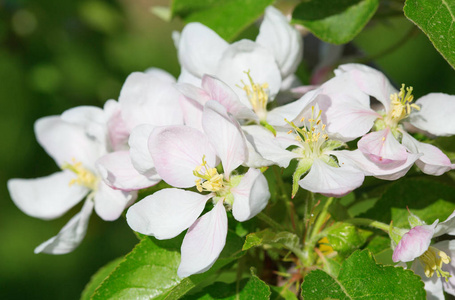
<point>211,133</point>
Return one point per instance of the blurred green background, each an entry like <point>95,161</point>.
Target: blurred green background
<point>55,55</point>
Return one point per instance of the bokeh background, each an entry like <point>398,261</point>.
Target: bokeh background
<point>55,55</point>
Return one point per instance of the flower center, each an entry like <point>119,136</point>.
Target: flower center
<point>208,178</point>
<point>401,108</point>
<point>432,261</point>
<point>312,136</point>
<point>84,176</point>
<point>258,95</point>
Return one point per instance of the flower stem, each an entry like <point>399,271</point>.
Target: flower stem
<point>321,217</point>
<point>369,222</point>
<point>285,197</point>
<point>266,219</point>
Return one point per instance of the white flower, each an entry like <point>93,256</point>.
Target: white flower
<point>75,140</point>
<point>186,157</point>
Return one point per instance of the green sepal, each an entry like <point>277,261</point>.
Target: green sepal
<point>302,167</point>
<point>268,126</point>
<point>414,220</point>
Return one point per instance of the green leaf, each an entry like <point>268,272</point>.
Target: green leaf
<point>150,271</point>
<point>436,19</point>
<point>361,278</point>
<point>345,238</point>
<point>335,22</point>
<point>226,17</point>
<point>281,239</point>
<point>428,199</point>
<point>252,288</point>
<point>98,277</point>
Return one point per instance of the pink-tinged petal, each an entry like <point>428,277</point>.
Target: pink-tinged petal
<point>220,92</point>
<point>433,161</point>
<point>147,99</point>
<point>118,172</point>
<point>244,56</point>
<point>446,227</point>
<point>177,151</point>
<point>203,242</point>
<point>225,134</point>
<point>370,81</point>
<point>282,39</point>
<point>194,93</point>
<point>436,114</point>
<point>110,203</point>
<point>382,148</point>
<point>250,196</point>
<point>270,147</point>
<point>433,286</point>
<point>71,234</point>
<point>64,142</point>
<point>345,117</point>
<point>166,213</point>
<point>139,150</point>
<point>359,160</point>
<point>200,49</point>
<point>449,248</point>
<point>117,130</point>
<point>414,243</point>
<point>91,118</point>
<point>292,111</point>
<point>331,181</point>
<point>192,112</point>
<point>46,197</point>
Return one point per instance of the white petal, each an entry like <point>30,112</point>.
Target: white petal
<point>166,213</point>
<point>203,242</point>
<point>192,112</point>
<point>244,56</point>
<point>139,150</point>
<point>71,234</point>
<point>147,99</point>
<point>110,203</point>
<point>283,40</point>
<point>370,81</point>
<point>220,92</point>
<point>449,248</point>
<point>435,114</point>
<point>177,151</point>
<point>64,142</point>
<point>382,148</point>
<point>358,159</point>
<point>91,118</point>
<point>292,111</point>
<point>46,197</point>
<point>161,74</point>
<point>186,77</point>
<point>250,196</point>
<point>446,227</point>
<point>331,181</point>
<point>200,49</point>
<point>270,147</point>
<point>194,93</point>
<point>433,161</point>
<point>225,135</point>
<point>118,172</point>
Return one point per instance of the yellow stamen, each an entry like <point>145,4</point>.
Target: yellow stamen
<point>258,95</point>
<point>402,104</point>
<point>213,182</point>
<point>432,261</point>
<point>84,177</point>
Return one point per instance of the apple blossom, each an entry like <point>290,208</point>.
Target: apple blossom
<point>75,140</point>
<point>388,148</point>
<point>186,157</point>
<point>432,262</point>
